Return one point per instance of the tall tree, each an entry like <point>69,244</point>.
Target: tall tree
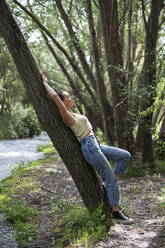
<point>108,11</point>
<point>148,77</point>
<point>123,49</point>
<point>97,82</point>
<point>102,112</point>
<point>62,137</point>
<point>106,108</point>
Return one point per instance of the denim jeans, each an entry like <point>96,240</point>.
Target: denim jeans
<point>97,156</point>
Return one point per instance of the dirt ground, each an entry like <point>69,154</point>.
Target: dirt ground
<point>141,196</point>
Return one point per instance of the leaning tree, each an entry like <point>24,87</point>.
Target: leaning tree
<point>68,147</point>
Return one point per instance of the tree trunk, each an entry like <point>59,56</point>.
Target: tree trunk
<point>148,79</point>
<point>162,130</point>
<point>156,116</point>
<point>157,113</point>
<point>113,52</point>
<point>62,137</point>
<point>99,77</point>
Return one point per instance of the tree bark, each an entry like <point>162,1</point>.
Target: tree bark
<point>100,78</point>
<point>157,113</point>
<point>148,78</point>
<point>162,130</point>
<point>62,137</point>
<point>110,30</point>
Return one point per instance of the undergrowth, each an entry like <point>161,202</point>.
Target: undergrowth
<point>21,215</point>
<point>22,182</point>
<point>79,226</point>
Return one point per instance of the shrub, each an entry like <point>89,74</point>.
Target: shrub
<point>159,148</point>
<point>25,124</point>
<point>22,124</point>
<point>6,128</point>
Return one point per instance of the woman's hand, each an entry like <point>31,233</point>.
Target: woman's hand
<point>44,77</point>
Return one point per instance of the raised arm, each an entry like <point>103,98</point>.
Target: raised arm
<point>66,115</point>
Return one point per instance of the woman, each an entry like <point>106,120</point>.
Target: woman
<point>95,154</point>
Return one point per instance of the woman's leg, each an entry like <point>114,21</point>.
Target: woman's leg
<point>120,156</point>
<point>94,156</point>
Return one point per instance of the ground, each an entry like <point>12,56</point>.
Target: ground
<point>142,201</point>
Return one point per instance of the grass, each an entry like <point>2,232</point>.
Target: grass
<point>50,154</point>
<point>73,221</point>
<point>18,212</point>
<point>47,149</point>
<point>75,225</point>
<point>80,227</point>
<point>23,182</point>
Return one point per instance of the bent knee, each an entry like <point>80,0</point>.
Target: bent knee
<point>127,155</point>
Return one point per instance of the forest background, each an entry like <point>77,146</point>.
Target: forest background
<point>108,56</point>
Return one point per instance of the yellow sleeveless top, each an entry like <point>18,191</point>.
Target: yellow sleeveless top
<point>81,126</point>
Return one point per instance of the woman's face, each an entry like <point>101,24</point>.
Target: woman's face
<point>68,101</point>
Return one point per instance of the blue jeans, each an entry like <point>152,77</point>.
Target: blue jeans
<point>98,155</point>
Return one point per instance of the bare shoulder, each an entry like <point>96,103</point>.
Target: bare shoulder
<point>69,119</point>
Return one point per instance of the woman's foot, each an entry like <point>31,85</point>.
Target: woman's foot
<point>121,218</point>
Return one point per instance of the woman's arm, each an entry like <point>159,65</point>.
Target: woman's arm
<point>66,115</point>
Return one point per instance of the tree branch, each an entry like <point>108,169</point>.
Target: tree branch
<point>75,89</point>
<point>144,16</point>
<point>96,4</point>
<point>76,44</point>
<point>71,61</point>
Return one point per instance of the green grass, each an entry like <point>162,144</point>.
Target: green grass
<point>78,225</point>
<point>50,153</point>
<point>47,149</point>
<point>23,218</point>
<point>12,203</point>
<point>74,223</point>
<point>22,182</point>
